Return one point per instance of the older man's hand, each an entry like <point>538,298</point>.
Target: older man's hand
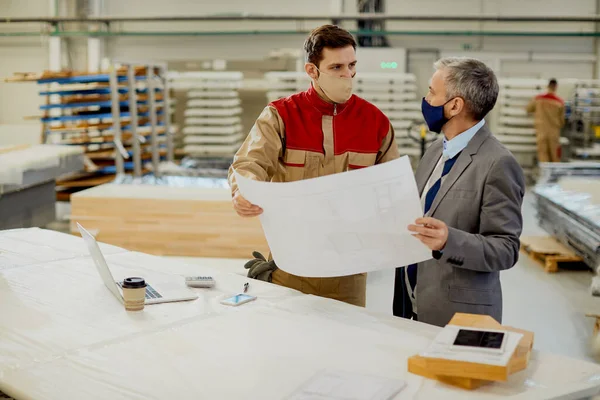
<point>243,207</point>
<point>432,232</point>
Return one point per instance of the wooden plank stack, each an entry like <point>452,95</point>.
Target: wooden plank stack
<point>176,221</point>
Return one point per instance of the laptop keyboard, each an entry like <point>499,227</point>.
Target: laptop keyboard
<point>150,292</point>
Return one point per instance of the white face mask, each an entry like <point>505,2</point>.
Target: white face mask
<point>337,89</point>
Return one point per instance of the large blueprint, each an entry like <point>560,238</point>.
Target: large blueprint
<point>341,224</point>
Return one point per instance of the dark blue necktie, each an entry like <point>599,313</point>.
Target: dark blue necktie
<point>433,191</point>
<point>411,270</point>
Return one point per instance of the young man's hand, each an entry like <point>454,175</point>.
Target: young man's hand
<point>243,207</point>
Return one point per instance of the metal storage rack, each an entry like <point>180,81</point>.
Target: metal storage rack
<point>584,119</point>
<point>103,112</point>
<point>147,112</point>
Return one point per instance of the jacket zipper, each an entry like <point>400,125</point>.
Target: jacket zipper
<point>333,131</point>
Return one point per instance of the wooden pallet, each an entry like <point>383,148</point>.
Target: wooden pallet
<point>549,251</point>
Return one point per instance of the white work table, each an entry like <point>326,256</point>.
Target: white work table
<point>64,336</point>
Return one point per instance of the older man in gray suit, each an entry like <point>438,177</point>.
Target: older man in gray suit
<point>472,190</point>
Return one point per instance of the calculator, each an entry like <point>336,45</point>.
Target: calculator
<point>200,281</point>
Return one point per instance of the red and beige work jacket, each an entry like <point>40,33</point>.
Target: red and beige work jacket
<point>301,137</point>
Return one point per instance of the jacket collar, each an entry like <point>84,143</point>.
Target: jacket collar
<point>482,134</point>
<point>324,107</point>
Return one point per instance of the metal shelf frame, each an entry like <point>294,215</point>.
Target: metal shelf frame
<point>155,71</point>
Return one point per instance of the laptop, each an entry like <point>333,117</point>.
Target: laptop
<point>158,292</point>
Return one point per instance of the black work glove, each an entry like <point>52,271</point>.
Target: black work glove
<point>260,268</point>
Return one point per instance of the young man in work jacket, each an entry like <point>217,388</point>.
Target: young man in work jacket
<point>321,131</point>
<point>549,112</point>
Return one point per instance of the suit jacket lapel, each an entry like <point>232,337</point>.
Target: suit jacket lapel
<point>435,152</point>
<point>464,160</point>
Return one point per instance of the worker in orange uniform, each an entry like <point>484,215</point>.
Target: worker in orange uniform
<point>549,113</point>
<point>322,131</point>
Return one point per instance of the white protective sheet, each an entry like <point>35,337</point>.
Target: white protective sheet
<point>341,385</point>
<point>65,337</point>
<point>14,163</point>
<point>341,224</point>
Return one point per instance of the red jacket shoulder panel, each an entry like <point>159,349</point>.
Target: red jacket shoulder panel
<point>302,123</point>
<point>550,96</point>
<point>359,126</point>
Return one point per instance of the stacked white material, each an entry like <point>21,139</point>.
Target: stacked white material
<point>14,162</point>
<point>393,93</point>
<point>212,125</point>
<point>515,129</point>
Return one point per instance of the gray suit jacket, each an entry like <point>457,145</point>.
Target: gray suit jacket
<point>480,201</point>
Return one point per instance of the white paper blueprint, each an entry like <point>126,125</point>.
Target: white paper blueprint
<point>341,224</point>
<point>341,385</point>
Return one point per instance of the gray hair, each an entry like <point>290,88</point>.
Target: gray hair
<point>471,80</point>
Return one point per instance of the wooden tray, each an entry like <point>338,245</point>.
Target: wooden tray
<point>468,375</point>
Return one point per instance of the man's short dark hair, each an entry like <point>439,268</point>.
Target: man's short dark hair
<point>330,36</point>
<point>553,82</point>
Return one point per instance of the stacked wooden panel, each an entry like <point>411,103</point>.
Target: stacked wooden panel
<point>182,221</point>
<point>514,127</point>
<point>212,117</point>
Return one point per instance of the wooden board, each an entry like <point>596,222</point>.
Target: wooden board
<point>468,375</point>
<point>597,323</point>
<point>86,181</point>
<point>34,76</point>
<point>83,125</point>
<point>87,98</point>
<point>549,251</point>
<point>111,154</point>
<point>8,149</point>
<point>99,139</point>
<point>177,221</point>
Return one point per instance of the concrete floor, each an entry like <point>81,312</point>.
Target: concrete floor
<point>553,306</point>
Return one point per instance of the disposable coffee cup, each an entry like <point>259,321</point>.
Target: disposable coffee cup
<point>134,293</point>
